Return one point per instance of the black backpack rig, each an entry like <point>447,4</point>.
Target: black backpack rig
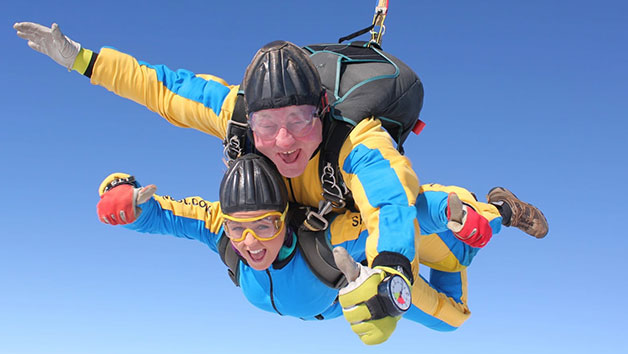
<point>360,81</point>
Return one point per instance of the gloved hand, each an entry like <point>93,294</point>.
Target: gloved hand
<point>49,41</point>
<point>118,206</point>
<point>361,306</point>
<point>466,224</point>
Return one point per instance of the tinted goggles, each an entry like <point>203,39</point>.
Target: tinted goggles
<point>264,227</point>
<point>298,123</point>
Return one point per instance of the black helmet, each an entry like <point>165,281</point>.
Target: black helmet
<point>252,183</point>
<point>281,74</point>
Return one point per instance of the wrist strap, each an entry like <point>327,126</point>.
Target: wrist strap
<point>395,261</point>
<point>119,181</point>
<point>82,60</point>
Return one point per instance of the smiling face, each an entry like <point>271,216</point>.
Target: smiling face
<point>294,140</point>
<point>258,254</point>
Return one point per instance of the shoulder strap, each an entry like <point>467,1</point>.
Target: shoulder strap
<point>333,186</point>
<point>320,258</point>
<point>230,258</point>
<point>335,192</point>
<point>237,128</point>
<point>314,247</point>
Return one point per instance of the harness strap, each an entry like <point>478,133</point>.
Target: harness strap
<point>319,258</point>
<point>356,34</point>
<point>237,128</point>
<point>230,258</point>
<point>335,192</point>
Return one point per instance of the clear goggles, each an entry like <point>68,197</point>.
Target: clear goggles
<point>298,123</point>
<point>264,227</point>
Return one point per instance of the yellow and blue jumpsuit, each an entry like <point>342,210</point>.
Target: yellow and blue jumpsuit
<point>289,287</point>
<point>382,181</point>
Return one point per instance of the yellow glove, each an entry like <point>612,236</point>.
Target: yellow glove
<point>374,299</point>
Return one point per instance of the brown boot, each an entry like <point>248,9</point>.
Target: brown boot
<point>524,216</point>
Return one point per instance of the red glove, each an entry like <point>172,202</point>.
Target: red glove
<point>467,225</point>
<point>117,205</point>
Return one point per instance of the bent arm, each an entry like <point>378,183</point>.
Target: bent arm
<point>384,189</point>
<point>431,208</point>
<point>439,304</point>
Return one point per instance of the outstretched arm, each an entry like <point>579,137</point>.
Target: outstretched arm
<point>202,102</point>
<point>124,202</point>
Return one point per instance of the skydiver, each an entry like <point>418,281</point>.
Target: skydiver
<point>262,227</point>
<point>286,127</point>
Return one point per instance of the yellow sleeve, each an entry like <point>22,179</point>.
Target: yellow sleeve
<point>193,208</point>
<point>439,305</point>
<point>384,188</point>
<point>202,102</point>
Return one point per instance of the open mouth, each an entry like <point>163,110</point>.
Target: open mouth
<point>289,156</point>
<point>257,256</point>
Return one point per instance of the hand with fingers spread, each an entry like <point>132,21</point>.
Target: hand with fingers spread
<point>374,299</point>
<point>466,224</point>
<point>49,41</point>
<point>119,205</point>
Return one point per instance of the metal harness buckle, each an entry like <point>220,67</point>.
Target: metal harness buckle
<point>331,190</point>
<point>232,143</point>
<point>315,220</point>
<point>334,198</point>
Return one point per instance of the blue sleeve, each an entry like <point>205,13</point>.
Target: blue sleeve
<point>432,211</point>
<point>381,194</point>
<point>156,220</point>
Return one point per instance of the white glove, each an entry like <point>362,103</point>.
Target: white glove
<point>350,268</point>
<point>49,41</point>
<point>456,213</point>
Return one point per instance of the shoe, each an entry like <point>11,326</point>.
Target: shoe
<point>524,216</point>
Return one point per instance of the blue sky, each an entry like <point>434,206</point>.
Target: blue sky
<point>531,95</point>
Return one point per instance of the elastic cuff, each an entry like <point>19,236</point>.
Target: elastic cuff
<point>396,261</point>
<point>113,177</point>
<point>84,62</point>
